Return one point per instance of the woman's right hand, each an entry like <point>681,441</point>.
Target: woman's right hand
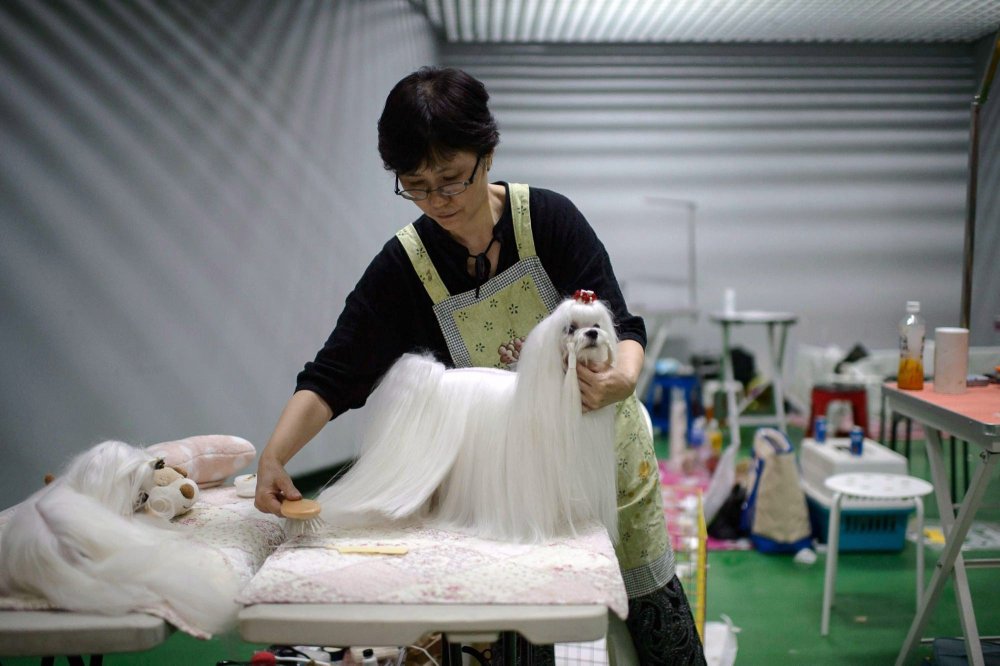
<point>273,486</point>
<point>305,415</point>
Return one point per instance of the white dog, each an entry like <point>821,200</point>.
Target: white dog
<point>500,454</point>
<point>80,544</point>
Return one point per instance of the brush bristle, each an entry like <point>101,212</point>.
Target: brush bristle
<point>294,528</point>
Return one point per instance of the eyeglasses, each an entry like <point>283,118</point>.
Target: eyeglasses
<point>447,190</point>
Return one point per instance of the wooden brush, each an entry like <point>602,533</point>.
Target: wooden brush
<point>303,517</point>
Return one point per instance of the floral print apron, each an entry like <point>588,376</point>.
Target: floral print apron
<point>508,306</point>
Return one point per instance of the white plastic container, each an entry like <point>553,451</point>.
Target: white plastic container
<point>821,461</point>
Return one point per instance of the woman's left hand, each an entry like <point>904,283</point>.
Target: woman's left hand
<point>601,386</point>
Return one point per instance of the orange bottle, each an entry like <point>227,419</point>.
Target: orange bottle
<point>911,348</point>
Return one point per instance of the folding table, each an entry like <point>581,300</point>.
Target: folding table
<point>973,416</point>
<point>470,589</point>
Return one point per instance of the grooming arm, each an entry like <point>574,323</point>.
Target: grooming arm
<point>303,417</point>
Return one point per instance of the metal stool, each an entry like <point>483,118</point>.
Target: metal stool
<point>870,486</point>
<point>824,394</point>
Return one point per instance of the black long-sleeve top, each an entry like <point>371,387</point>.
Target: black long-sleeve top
<point>389,312</point>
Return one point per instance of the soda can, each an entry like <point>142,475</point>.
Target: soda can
<point>819,430</point>
<point>857,440</point>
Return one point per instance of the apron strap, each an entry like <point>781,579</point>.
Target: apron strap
<point>520,213</point>
<point>422,264</point>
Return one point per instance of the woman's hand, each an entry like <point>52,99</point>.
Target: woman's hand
<point>305,415</point>
<point>601,386</point>
<point>273,486</point>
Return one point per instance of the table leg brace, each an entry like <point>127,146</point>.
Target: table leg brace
<point>951,561</point>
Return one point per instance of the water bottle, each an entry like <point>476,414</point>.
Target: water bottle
<point>911,348</point>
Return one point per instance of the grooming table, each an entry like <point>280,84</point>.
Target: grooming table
<point>470,589</point>
<point>973,416</point>
<point>31,627</point>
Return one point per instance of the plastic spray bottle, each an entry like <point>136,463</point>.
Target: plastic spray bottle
<point>911,348</point>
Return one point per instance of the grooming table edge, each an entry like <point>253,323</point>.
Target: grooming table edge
<point>404,624</point>
<point>47,633</point>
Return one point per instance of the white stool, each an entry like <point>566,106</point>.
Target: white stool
<point>870,486</point>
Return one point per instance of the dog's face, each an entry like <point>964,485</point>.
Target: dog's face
<point>589,332</point>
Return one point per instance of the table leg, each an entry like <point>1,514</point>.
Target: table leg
<point>732,410</point>
<point>882,421</point>
<point>777,376</point>
<point>451,653</point>
<point>510,642</point>
<point>954,469</point>
<point>832,550</point>
<point>918,503</point>
<point>653,350</point>
<point>956,532</point>
<point>951,561</point>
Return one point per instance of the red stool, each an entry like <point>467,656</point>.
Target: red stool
<point>855,394</point>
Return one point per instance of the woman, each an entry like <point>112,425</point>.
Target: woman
<point>467,281</point>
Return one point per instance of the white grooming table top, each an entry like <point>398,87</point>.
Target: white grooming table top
<point>48,633</point>
<point>404,624</point>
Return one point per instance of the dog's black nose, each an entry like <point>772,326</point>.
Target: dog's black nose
<point>592,334</point>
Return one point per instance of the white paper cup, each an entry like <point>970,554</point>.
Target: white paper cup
<point>951,359</point>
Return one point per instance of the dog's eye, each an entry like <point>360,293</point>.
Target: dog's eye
<point>571,329</point>
<point>596,326</point>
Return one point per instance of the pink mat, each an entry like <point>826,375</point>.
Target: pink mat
<point>676,486</point>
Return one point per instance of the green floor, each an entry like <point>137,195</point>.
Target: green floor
<point>775,602</point>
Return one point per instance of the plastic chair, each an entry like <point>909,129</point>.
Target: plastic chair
<point>854,394</point>
<point>875,487</point>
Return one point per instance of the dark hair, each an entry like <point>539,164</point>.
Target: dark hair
<point>431,114</point>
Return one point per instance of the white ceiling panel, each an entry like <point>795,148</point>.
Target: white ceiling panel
<point>711,21</point>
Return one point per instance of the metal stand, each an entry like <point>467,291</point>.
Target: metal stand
<point>777,324</point>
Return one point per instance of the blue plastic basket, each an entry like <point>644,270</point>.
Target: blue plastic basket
<point>862,529</point>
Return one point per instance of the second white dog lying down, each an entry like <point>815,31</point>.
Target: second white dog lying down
<point>80,544</point>
<point>495,453</point>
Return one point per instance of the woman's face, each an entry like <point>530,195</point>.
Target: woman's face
<point>455,212</point>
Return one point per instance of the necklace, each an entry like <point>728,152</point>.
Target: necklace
<point>483,265</point>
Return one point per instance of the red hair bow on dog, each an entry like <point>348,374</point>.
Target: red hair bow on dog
<point>584,296</point>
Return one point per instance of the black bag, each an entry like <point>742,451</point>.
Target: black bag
<point>726,524</point>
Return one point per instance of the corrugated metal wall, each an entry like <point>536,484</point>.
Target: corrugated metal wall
<point>829,180</point>
<point>186,197</point>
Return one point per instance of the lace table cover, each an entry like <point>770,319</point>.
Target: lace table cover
<point>440,567</point>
